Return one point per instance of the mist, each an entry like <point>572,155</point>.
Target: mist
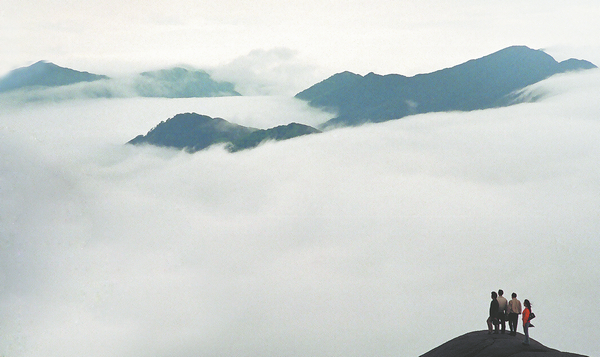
<point>278,71</point>
<point>382,240</point>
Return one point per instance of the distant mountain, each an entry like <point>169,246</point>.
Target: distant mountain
<point>44,74</point>
<point>480,344</point>
<point>181,83</point>
<point>194,132</point>
<point>482,83</point>
<point>39,82</point>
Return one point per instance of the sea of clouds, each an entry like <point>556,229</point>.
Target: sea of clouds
<point>379,240</point>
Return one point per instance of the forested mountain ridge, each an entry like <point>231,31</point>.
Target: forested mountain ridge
<point>481,83</point>
<point>193,132</point>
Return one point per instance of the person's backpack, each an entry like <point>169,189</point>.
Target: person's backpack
<point>531,317</point>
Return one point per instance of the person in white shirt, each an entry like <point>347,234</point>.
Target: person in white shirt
<point>514,310</point>
<point>502,310</point>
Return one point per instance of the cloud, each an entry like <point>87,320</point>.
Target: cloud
<point>105,88</point>
<point>379,240</point>
<point>172,85</point>
<point>278,71</point>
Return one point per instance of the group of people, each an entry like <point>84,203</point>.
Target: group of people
<point>502,310</point>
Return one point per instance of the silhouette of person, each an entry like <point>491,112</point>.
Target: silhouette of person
<point>526,321</point>
<point>502,307</point>
<point>514,310</point>
<point>493,318</point>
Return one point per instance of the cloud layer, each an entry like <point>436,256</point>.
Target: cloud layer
<point>380,240</point>
<point>278,71</point>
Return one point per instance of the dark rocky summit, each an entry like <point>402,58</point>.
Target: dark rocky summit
<point>480,344</point>
<point>482,83</point>
<point>193,132</point>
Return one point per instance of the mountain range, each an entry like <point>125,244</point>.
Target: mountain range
<point>193,132</point>
<point>491,81</point>
<point>487,82</point>
<point>175,82</point>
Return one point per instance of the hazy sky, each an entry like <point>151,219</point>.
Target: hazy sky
<point>382,240</point>
<point>383,36</point>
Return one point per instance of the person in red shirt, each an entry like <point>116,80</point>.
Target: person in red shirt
<point>527,316</point>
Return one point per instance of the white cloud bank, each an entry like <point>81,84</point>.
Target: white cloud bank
<point>382,240</point>
<point>278,71</point>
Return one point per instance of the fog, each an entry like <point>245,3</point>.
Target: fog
<point>270,72</point>
<point>380,240</point>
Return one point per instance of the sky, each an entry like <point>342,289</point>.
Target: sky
<point>295,40</point>
<point>381,240</point>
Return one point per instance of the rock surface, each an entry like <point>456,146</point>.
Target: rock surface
<point>481,344</point>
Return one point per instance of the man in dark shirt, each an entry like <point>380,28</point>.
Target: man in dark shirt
<point>493,318</point>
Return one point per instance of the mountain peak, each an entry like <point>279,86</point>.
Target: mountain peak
<point>44,74</point>
<point>42,63</point>
<point>482,83</point>
<point>194,132</point>
<point>179,82</point>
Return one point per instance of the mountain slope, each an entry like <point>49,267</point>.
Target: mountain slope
<point>44,74</point>
<point>194,132</point>
<point>181,83</point>
<point>477,84</point>
<point>278,133</point>
<point>480,344</point>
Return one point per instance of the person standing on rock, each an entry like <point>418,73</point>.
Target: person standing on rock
<point>493,318</point>
<point>514,310</point>
<point>502,309</point>
<point>527,316</point>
